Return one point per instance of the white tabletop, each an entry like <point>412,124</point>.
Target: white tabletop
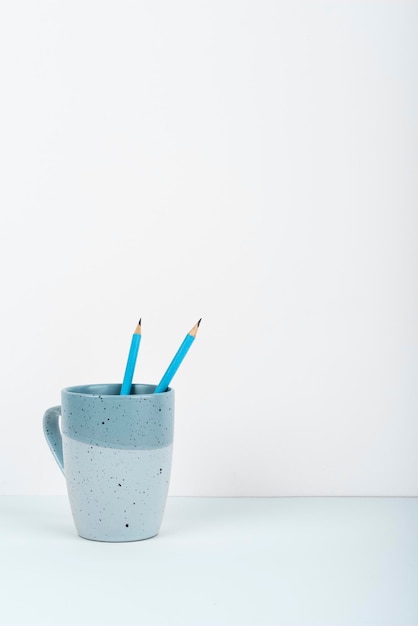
<point>216,561</point>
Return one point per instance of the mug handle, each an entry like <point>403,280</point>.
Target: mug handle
<point>53,434</point>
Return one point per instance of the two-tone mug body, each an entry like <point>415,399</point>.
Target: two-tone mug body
<point>115,452</point>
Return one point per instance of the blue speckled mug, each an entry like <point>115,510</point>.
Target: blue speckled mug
<point>115,453</point>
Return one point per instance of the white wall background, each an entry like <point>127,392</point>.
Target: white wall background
<point>250,162</point>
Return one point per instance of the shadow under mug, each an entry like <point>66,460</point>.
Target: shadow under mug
<point>115,453</point>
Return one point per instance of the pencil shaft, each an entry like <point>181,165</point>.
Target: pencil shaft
<point>175,364</point>
<point>130,365</point>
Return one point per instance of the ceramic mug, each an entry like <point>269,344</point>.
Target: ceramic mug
<point>115,453</point>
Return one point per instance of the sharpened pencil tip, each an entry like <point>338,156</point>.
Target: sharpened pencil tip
<point>194,329</point>
<point>139,323</point>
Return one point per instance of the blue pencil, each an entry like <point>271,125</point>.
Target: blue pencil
<point>130,365</point>
<point>178,358</point>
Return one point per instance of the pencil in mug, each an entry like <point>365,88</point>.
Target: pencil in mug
<point>178,358</point>
<point>130,365</point>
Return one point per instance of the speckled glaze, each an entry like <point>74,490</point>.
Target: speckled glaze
<point>115,452</point>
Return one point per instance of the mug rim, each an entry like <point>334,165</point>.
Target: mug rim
<point>77,390</point>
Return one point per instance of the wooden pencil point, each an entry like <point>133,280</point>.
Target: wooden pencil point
<point>138,328</point>
<point>194,329</point>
